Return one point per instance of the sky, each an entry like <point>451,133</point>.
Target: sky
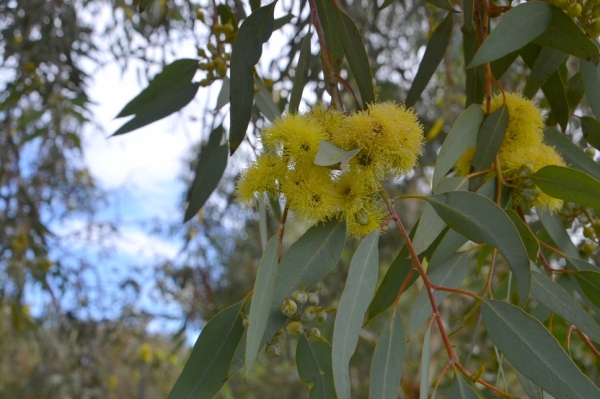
<point>141,172</point>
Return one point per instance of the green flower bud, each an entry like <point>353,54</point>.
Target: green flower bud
<point>588,232</point>
<point>300,296</point>
<point>562,4</point>
<point>273,350</point>
<point>310,313</point>
<point>587,248</point>
<point>322,316</point>
<point>574,10</point>
<point>313,298</point>
<point>583,219</point>
<point>530,194</point>
<point>591,151</point>
<point>314,334</point>
<point>289,307</point>
<point>295,327</point>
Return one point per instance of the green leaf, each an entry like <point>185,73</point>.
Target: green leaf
<point>468,12</point>
<point>489,140</point>
<point>246,52</point>
<point>450,243</point>
<point>262,300</point>
<point>162,106</point>
<point>301,74</point>
<point>569,185</point>
<point>425,365</point>
<point>589,281</point>
<point>430,224</point>
<point>264,101</point>
<point>436,48</point>
<point>501,65</point>
<point>532,246</point>
<point>461,389</point>
<point>443,4</point>
<point>307,261</point>
<point>388,360</point>
<point>571,153</point>
<point>475,77</point>
<point>331,21</point>
<point>394,277</point>
<point>591,80</point>
<point>359,289</point>
<point>558,300</point>
<point>556,94</point>
<point>168,92</point>
<point>206,370</point>
<point>591,131</point>
<point>462,136</point>
<point>223,97</point>
<point>281,22</point>
<point>552,222</point>
<point>546,63</point>
<point>211,165</point>
<point>178,73</point>
<point>575,90</point>
<point>530,388</point>
<point>313,360</point>
<point>563,34</point>
<point>358,60</point>
<point>481,220</point>
<point>451,274</point>
<point>517,27</point>
<point>531,349</point>
<point>227,16</point>
<point>332,155</point>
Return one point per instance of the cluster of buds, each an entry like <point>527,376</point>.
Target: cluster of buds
<point>303,307</point>
<point>590,226</point>
<point>586,11</point>
<point>215,57</point>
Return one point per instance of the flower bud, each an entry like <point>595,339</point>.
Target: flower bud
<point>295,327</point>
<point>310,313</point>
<point>300,296</point>
<point>587,248</point>
<point>596,227</point>
<point>588,232</point>
<point>273,350</point>
<point>562,4</point>
<point>574,10</point>
<point>322,316</point>
<point>313,298</point>
<point>362,217</point>
<point>289,307</point>
<point>313,334</point>
<point>591,151</point>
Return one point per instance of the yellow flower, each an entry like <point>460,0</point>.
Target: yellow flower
<point>363,221</point>
<point>296,135</point>
<point>310,193</point>
<point>330,119</point>
<point>262,176</point>
<point>463,164</point>
<point>145,353</point>
<point>354,190</point>
<point>525,124</point>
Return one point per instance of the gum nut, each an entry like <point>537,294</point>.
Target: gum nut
<point>300,297</point>
<point>295,327</point>
<point>310,313</point>
<point>313,298</point>
<point>273,350</point>
<point>322,316</point>
<point>313,333</point>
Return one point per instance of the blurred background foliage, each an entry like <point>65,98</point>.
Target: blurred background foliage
<point>73,347</point>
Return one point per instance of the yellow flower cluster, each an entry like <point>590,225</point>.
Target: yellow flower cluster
<point>523,150</point>
<point>389,137</point>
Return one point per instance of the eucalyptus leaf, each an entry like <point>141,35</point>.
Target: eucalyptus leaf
<point>313,359</point>
<point>569,185</point>
<point>211,166</point>
<point>388,360</point>
<point>246,52</point>
<point>207,368</point>
<point>482,221</point>
<point>531,349</point>
<point>262,299</point>
<point>436,48</point>
<point>355,299</point>
<point>518,27</point>
<point>571,153</point>
<point>461,389</point>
